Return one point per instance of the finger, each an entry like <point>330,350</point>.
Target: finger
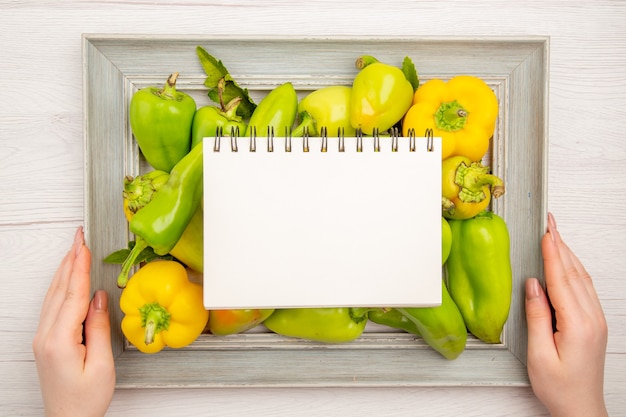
<point>98,333</point>
<point>563,295</point>
<point>580,278</point>
<point>539,322</point>
<point>76,302</point>
<point>576,276</point>
<point>58,285</point>
<point>56,294</point>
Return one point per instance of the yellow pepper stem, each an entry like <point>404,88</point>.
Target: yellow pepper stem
<point>450,116</point>
<point>154,318</point>
<point>471,179</point>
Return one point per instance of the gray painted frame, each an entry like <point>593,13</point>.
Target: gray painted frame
<point>114,66</point>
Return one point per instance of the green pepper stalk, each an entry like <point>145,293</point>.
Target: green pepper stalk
<point>327,325</point>
<point>222,86</point>
<point>479,273</point>
<point>161,120</point>
<point>210,121</point>
<point>306,126</point>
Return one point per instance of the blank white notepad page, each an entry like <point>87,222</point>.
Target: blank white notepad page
<point>321,229</point>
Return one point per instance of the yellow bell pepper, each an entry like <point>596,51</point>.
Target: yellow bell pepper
<point>162,307</point>
<point>467,187</point>
<point>462,111</point>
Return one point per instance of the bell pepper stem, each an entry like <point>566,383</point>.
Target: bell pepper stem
<point>358,314</point>
<point>446,204</point>
<point>365,60</point>
<point>139,191</point>
<point>169,89</point>
<point>450,116</point>
<point>154,318</point>
<point>307,126</point>
<point>471,179</point>
<point>122,278</point>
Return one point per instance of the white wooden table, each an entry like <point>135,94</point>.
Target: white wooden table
<point>41,171</point>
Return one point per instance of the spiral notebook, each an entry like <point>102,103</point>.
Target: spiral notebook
<point>322,221</point>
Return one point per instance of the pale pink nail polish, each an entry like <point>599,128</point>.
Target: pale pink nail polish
<point>552,226</point>
<point>100,300</point>
<point>533,288</point>
<point>79,240</point>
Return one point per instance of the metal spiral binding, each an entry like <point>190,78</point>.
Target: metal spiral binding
<point>394,133</point>
<point>216,143</point>
<point>359,140</point>
<point>270,138</point>
<point>430,145</point>
<point>340,137</point>
<point>376,140</point>
<point>252,130</point>
<point>394,139</point>
<point>287,139</point>
<point>411,140</point>
<point>234,134</point>
<point>305,140</point>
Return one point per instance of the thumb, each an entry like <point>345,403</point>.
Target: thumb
<point>538,319</point>
<point>98,331</point>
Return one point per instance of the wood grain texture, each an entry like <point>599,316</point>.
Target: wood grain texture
<point>41,165</point>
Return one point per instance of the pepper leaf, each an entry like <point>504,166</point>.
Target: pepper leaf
<point>118,257</point>
<point>408,68</point>
<point>216,71</point>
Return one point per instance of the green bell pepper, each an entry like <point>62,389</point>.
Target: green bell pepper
<point>160,120</point>
<point>479,273</point>
<point>163,220</point>
<point>277,110</point>
<point>330,108</point>
<point>208,120</point>
<point>381,95</point>
<point>328,325</point>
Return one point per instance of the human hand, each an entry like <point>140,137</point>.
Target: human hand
<point>76,379</point>
<point>566,367</point>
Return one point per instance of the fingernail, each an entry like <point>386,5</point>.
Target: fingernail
<point>552,226</point>
<point>100,300</point>
<point>79,240</point>
<point>533,289</point>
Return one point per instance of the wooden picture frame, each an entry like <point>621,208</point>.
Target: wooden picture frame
<point>115,66</point>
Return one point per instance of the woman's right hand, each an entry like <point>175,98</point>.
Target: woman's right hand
<point>566,366</point>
